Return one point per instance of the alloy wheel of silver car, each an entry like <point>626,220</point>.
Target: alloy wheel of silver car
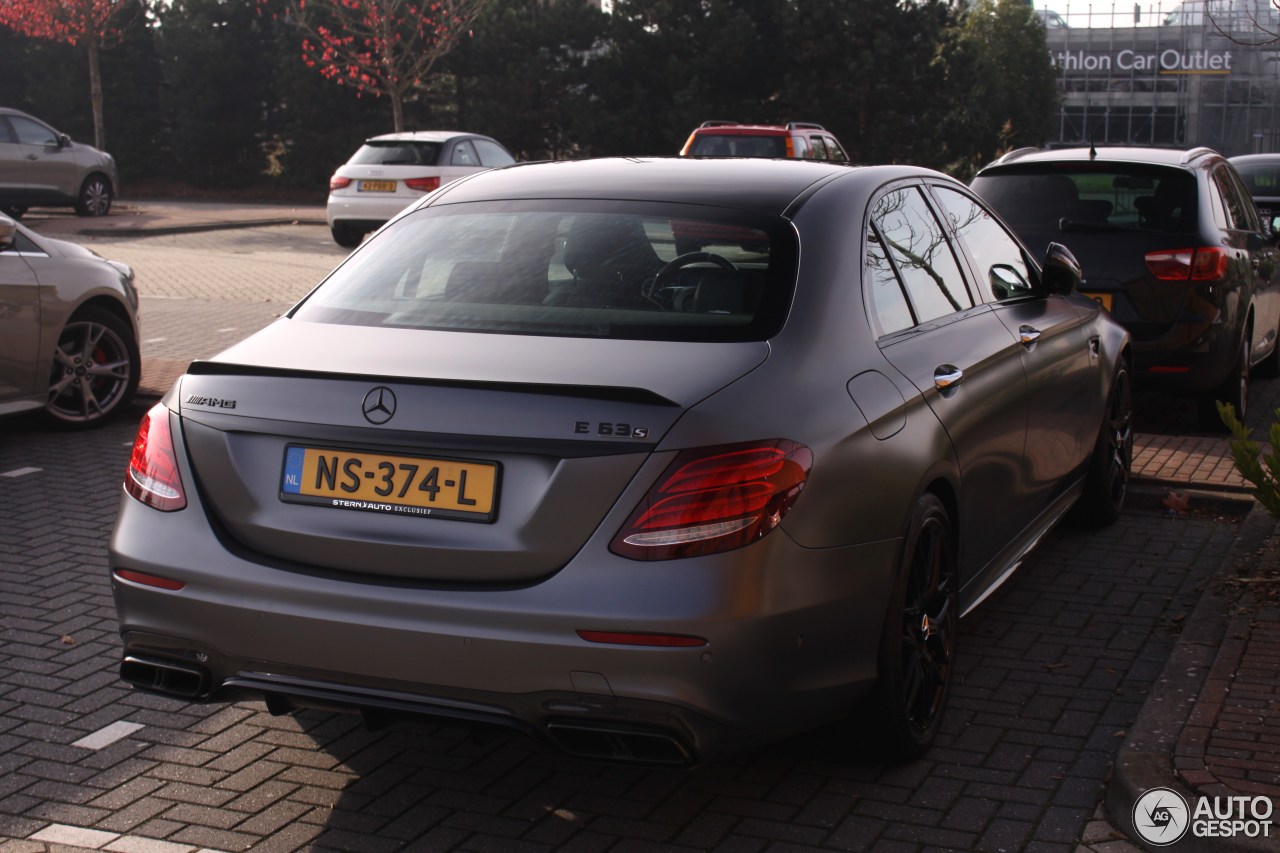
<point>95,196</point>
<point>95,370</point>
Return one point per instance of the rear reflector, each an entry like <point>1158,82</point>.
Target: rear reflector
<point>148,580</point>
<point>715,499</point>
<point>1208,263</point>
<point>682,641</point>
<point>337,182</point>
<point>153,476</point>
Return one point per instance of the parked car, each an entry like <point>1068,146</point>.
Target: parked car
<point>515,461</point>
<point>1261,176</point>
<point>800,139</point>
<point>389,172</point>
<point>68,329</point>
<point>40,167</point>
<point>1171,245</point>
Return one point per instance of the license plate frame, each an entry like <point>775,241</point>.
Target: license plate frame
<point>375,186</point>
<point>1103,299</point>
<point>354,479</point>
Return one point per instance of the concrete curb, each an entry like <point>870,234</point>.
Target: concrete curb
<point>222,225</point>
<point>1146,760</point>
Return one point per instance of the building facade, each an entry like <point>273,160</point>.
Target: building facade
<point>1187,77</point>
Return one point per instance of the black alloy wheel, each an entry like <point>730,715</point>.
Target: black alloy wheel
<point>918,647</point>
<point>1107,483</point>
<point>95,371</point>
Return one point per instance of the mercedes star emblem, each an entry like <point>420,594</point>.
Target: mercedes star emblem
<point>379,405</point>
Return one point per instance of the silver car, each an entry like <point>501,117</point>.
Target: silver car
<point>68,329</point>
<point>517,461</point>
<point>40,167</point>
<point>390,172</point>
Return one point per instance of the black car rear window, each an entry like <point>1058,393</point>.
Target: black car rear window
<point>1095,196</point>
<point>386,152</point>
<point>641,271</point>
<point>1261,179</point>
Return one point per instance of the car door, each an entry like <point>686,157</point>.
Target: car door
<point>959,356</point>
<point>51,170</point>
<point>1245,234</point>
<point>13,166</point>
<point>1054,345</point>
<point>19,323</point>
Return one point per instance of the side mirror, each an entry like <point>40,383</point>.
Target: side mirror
<point>1062,273</point>
<point>63,140</point>
<point>8,233</point>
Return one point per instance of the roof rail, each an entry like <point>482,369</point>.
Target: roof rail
<point>1015,154</point>
<point>718,123</point>
<point>804,125</point>
<point>1196,154</point>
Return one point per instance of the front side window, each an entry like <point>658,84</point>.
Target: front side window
<point>1002,265</point>
<point>569,269</point>
<point>386,152</point>
<point>32,132</point>
<point>918,247</point>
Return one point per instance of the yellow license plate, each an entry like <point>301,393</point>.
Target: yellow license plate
<point>376,482</point>
<point>376,186</point>
<point>1103,299</point>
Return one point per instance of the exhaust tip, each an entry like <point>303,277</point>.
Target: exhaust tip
<point>172,678</point>
<point>620,742</point>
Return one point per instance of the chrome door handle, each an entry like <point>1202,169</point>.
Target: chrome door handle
<point>946,376</point>
<point>1028,334</point>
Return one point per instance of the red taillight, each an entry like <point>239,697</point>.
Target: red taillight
<point>715,499</point>
<point>153,476</point>
<point>1208,263</point>
<point>337,182</point>
<point>423,185</point>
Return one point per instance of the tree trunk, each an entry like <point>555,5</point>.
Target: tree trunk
<point>95,95</point>
<point>397,108</point>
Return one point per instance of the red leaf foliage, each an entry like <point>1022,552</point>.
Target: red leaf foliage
<point>68,21</point>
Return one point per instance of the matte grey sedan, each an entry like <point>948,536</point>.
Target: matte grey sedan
<point>521,461</point>
<point>68,329</point>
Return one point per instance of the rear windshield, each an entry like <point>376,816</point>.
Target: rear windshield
<point>1101,196</point>
<point>1261,179</point>
<point>387,152</point>
<point>727,145</point>
<point>572,269</point>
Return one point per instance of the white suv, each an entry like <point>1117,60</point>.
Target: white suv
<point>389,172</point>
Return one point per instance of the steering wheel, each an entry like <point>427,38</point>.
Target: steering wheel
<point>688,258</point>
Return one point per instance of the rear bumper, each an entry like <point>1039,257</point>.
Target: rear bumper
<point>370,210</point>
<point>791,639</point>
<point>1197,368</point>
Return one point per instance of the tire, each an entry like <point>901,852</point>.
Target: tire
<point>345,236</point>
<point>1234,391</point>
<point>918,644</point>
<point>95,370</point>
<point>1107,482</point>
<point>95,196</point>
<point>13,211</point>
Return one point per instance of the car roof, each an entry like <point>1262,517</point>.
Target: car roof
<point>1179,157</point>
<point>1256,158</point>
<point>425,136</point>
<point>749,183</point>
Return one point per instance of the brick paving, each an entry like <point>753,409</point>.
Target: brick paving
<point>1057,673</point>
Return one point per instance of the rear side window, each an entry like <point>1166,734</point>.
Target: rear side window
<point>917,246</point>
<point>492,154</point>
<point>642,271</point>
<point>1091,196</point>
<point>385,152</point>
<point>1239,208</point>
<point>464,154</point>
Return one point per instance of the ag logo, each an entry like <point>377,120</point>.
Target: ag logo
<point>1161,817</point>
